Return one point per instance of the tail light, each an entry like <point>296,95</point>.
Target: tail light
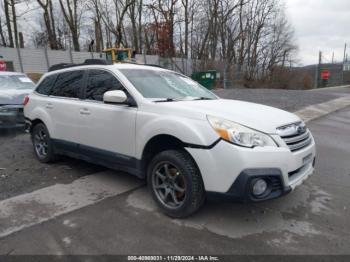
<point>2,65</point>
<point>26,100</point>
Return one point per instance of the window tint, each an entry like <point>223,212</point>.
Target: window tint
<point>68,84</point>
<point>99,82</point>
<point>46,85</point>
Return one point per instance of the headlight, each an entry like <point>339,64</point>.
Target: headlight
<point>238,134</point>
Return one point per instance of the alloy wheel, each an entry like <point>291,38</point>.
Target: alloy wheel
<point>169,185</point>
<point>40,143</point>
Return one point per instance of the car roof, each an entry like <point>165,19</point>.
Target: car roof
<point>110,67</point>
<point>8,73</point>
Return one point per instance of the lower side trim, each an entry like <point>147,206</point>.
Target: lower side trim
<point>100,157</point>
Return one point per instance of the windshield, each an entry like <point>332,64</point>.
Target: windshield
<point>154,84</point>
<point>15,82</point>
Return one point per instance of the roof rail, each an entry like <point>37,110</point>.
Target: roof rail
<point>86,62</point>
<point>134,63</point>
<point>97,62</point>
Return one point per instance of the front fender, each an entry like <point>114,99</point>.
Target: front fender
<point>191,131</point>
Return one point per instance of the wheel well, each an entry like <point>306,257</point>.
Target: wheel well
<point>34,123</point>
<point>158,144</point>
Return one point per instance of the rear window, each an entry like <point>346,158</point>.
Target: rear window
<point>46,85</point>
<point>16,82</point>
<point>68,84</point>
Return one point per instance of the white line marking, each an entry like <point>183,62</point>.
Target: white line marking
<point>316,111</point>
<point>33,208</point>
<point>329,88</point>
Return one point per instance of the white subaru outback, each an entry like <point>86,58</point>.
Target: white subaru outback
<point>160,125</point>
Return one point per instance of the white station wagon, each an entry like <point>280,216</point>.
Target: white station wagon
<point>162,126</point>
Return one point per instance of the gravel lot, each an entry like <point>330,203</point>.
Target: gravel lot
<point>21,172</point>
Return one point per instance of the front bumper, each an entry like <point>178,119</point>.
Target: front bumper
<point>228,169</point>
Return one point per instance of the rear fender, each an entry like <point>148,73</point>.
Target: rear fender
<point>40,114</point>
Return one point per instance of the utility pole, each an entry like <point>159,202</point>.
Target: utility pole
<point>343,68</point>
<point>318,69</point>
<point>333,58</point>
<point>345,52</point>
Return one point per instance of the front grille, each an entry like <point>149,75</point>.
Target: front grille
<point>298,142</point>
<point>296,136</point>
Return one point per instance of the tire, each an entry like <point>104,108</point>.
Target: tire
<point>42,144</point>
<point>175,183</point>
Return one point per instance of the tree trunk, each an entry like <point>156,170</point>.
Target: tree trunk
<point>14,21</point>
<point>75,39</point>
<point>21,40</point>
<point>8,23</point>
<point>185,5</point>
<point>140,27</point>
<point>134,27</point>
<point>97,36</point>
<point>3,40</point>
<point>55,44</point>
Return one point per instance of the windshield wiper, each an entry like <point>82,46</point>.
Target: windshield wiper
<point>166,100</point>
<point>202,98</point>
<point>184,99</point>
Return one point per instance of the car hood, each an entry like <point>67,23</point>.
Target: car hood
<point>13,97</point>
<point>259,117</point>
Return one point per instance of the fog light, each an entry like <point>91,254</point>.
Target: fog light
<point>259,187</point>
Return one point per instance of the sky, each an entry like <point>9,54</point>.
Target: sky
<point>320,25</point>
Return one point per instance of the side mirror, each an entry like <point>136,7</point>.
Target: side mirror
<point>115,97</point>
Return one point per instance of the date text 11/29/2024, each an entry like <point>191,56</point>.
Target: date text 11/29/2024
<point>173,258</point>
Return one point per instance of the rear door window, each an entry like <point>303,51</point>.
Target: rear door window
<point>46,85</point>
<point>99,82</point>
<point>68,84</point>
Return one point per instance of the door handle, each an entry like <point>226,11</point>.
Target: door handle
<point>49,106</point>
<point>84,111</point>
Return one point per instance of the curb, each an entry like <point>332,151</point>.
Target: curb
<point>329,88</point>
<point>316,111</point>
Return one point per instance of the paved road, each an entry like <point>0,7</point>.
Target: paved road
<point>312,220</point>
<point>290,100</point>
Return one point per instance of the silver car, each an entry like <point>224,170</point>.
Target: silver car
<point>13,89</point>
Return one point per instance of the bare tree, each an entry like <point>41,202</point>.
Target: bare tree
<point>167,10</point>
<point>247,39</point>
<point>49,20</point>
<point>94,6</point>
<point>72,12</point>
<point>116,26</point>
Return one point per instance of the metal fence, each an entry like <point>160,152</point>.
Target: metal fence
<point>30,60</point>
